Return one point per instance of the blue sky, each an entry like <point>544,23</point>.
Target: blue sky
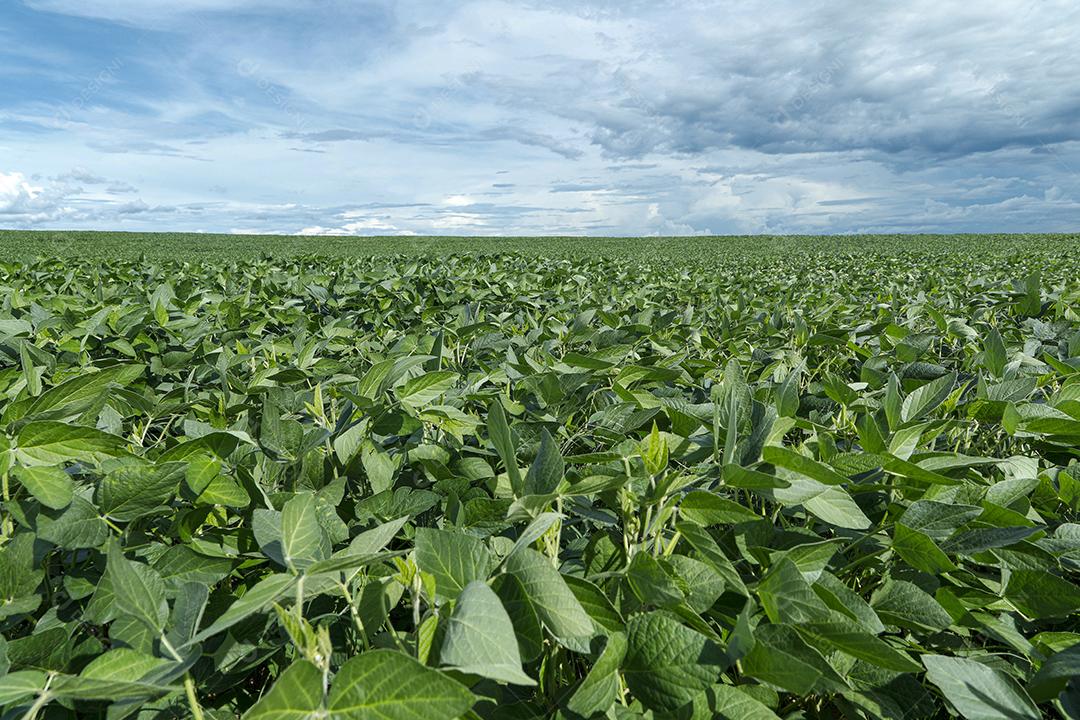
<point>487,118</point>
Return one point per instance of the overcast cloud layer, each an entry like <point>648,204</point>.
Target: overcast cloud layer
<point>614,118</point>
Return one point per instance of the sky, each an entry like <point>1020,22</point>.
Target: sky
<point>549,118</point>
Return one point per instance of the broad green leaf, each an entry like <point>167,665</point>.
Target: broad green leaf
<point>905,604</point>
<point>740,477</point>
<point>730,703</point>
<point>389,685</point>
<point>501,438</point>
<point>711,554</point>
<point>667,664</point>
<point>75,527</point>
<point>706,508</point>
<point>1055,674</point>
<point>133,490</point>
<point>844,634</point>
<point>453,558</point>
<point>552,600</point>
<point>836,507</point>
<point>787,597</point>
<point>1040,594</point>
<point>480,638</point>
<point>372,541</point>
<point>138,589</point>
<point>296,695</point>
<point>600,688</point>
<point>258,599</point>
<point>73,396</point>
<point>994,353</point>
<point>54,443</point>
<point>654,452</point>
<point>785,458</point>
<point>303,540</point>
<point>546,470</point>
<point>977,691</point>
<point>781,658</point>
<point>20,685</point>
<point>920,552</point>
<point>51,486</point>
<point>925,398</point>
<point>379,466</point>
<point>425,389</point>
<point>651,583</point>
<point>535,530</point>
<point>122,664</point>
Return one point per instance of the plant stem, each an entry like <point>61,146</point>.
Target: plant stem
<point>193,699</point>
<point>42,700</point>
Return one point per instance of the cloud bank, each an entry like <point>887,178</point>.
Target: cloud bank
<point>494,118</point>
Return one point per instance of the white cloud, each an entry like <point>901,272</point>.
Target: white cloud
<point>489,116</point>
<point>15,192</point>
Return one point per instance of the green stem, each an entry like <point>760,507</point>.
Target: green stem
<point>6,530</point>
<point>193,699</point>
<point>42,700</point>
<point>354,614</point>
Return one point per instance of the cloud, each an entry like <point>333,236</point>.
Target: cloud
<point>82,175</point>
<point>545,118</point>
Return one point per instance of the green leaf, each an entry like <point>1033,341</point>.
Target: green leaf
<point>31,374</point>
<point>296,695</point>
<point>667,664</point>
<point>389,685</point>
<point>372,541</point>
<point>654,452</point>
<point>925,398</point>
<point>781,658</point>
<point>134,490</point>
<point>551,599</point>
<point>836,507</point>
<point>787,597</point>
<point>51,486</point>
<point>841,632</point>
<point>651,583</point>
<point>711,554</point>
<point>740,477</point>
<point>426,389</point>
<point>707,508</point>
<point>905,604</point>
<point>138,589</point>
<point>76,527</point>
<point>546,470</point>
<point>1055,674</point>
<point>920,552</point>
<point>258,599</point>
<point>1040,594</point>
<point>785,458</point>
<point>787,395</point>
<point>535,530</point>
<point>480,638</point>
<point>20,685</point>
<point>180,565</point>
<point>499,434</point>
<point>73,396</point>
<point>730,703</point>
<point>303,539</point>
<point>453,558</point>
<point>379,466</point>
<point>600,688</point>
<point>977,691</point>
<point>122,664</point>
<point>994,354</point>
<point>54,443</point>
